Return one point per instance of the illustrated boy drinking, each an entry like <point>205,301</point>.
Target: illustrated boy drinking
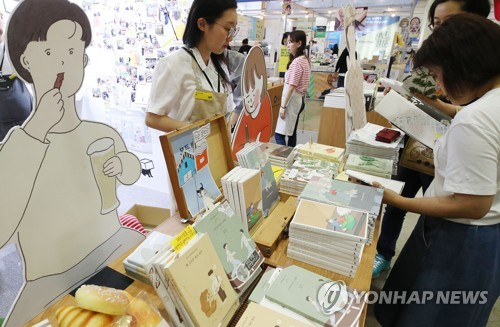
<point>54,209</point>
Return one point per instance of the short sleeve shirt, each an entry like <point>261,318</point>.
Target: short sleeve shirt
<point>299,74</point>
<point>174,84</point>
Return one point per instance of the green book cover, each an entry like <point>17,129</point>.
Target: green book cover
<point>236,249</point>
<point>344,194</point>
<point>367,163</point>
<point>297,289</point>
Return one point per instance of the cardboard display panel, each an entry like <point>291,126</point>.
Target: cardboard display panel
<point>197,157</point>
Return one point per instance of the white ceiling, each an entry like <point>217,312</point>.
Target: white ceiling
<point>323,7</point>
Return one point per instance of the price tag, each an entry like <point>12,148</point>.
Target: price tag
<point>201,95</point>
<point>183,238</point>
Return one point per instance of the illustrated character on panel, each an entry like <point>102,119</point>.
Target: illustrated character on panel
<point>355,113</point>
<point>256,121</point>
<point>60,210</point>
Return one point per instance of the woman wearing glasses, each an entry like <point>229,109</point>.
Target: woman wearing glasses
<point>193,82</point>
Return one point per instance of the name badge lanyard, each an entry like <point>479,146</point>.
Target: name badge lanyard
<point>205,74</point>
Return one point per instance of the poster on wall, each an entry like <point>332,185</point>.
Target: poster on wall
<point>377,37</point>
<point>359,18</point>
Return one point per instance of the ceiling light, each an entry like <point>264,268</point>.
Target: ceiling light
<point>393,15</point>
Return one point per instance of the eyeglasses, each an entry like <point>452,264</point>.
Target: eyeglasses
<point>431,27</point>
<point>231,32</point>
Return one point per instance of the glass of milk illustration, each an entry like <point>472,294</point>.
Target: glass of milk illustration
<point>99,152</point>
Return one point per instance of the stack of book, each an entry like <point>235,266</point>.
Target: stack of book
<point>279,155</point>
<point>242,188</point>
<point>321,151</point>
<point>370,165</point>
<point>192,284</point>
<point>348,195</point>
<point>362,142</point>
<point>254,156</point>
<point>295,178</point>
<point>304,298</point>
<point>335,99</point>
<point>328,236</point>
<point>134,263</point>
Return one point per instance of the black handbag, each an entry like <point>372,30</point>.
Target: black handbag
<point>16,102</point>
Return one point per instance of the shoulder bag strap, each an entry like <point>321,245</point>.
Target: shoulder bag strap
<point>208,80</point>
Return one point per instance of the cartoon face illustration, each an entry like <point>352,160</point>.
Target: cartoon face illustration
<point>254,96</point>
<point>63,51</point>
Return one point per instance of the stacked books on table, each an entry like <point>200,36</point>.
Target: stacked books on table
<point>201,283</point>
<point>321,151</point>
<point>348,195</point>
<point>242,188</point>
<point>370,165</point>
<point>298,297</point>
<point>362,142</point>
<point>134,263</point>
<point>254,156</point>
<point>335,99</point>
<point>295,178</point>
<point>328,236</point>
<point>279,155</point>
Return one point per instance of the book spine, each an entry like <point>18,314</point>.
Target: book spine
<point>327,232</point>
<point>333,258</point>
<point>308,236</point>
<point>321,264</point>
<point>347,256</point>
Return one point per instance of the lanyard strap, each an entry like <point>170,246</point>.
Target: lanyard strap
<point>208,79</point>
<point>3,57</point>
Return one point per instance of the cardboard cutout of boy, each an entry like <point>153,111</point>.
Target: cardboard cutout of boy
<point>256,119</point>
<point>61,172</point>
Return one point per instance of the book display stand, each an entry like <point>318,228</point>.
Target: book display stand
<point>197,157</point>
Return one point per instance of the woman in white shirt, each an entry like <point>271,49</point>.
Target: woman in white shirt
<point>193,83</point>
<point>449,270</point>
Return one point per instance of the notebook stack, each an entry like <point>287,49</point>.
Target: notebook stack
<point>321,151</point>
<point>348,195</point>
<point>370,165</point>
<point>363,142</point>
<point>254,156</point>
<point>328,236</point>
<point>295,178</point>
<point>335,99</point>
<point>279,155</point>
<point>298,297</point>
<point>242,188</point>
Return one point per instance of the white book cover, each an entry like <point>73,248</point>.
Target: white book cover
<point>148,248</point>
<point>409,118</point>
<point>394,185</point>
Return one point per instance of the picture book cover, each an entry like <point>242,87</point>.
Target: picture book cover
<point>194,175</point>
<point>307,293</point>
<point>318,165</point>
<point>257,315</point>
<point>201,282</point>
<point>256,158</point>
<point>367,163</point>
<point>236,249</point>
<point>344,194</point>
<point>250,196</point>
<point>331,220</point>
<point>322,151</point>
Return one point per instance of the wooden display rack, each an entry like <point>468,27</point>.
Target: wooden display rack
<point>219,154</point>
<point>269,233</point>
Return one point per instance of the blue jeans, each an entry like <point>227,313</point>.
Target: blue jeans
<point>442,257</point>
<point>292,139</point>
<point>392,223</point>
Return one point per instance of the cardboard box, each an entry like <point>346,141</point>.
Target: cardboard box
<point>150,217</point>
